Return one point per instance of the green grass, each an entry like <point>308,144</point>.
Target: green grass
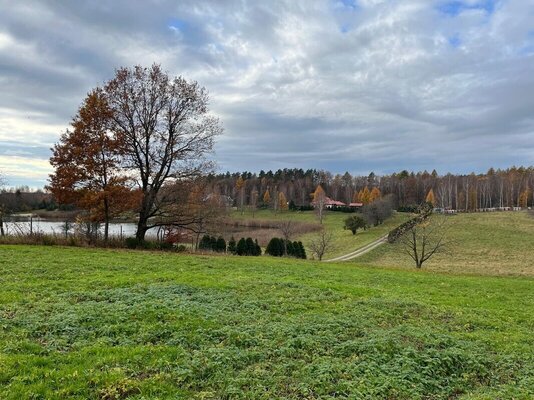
<point>482,243</point>
<point>343,240</point>
<point>105,324</point>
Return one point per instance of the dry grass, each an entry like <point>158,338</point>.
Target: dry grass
<point>482,243</point>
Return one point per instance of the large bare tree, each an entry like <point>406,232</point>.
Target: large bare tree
<point>423,240</point>
<point>167,131</point>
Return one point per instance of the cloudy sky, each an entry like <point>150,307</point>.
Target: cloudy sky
<point>350,85</point>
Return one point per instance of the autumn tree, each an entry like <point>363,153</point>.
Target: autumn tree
<point>319,202</point>
<point>267,197</point>
<point>375,194</point>
<point>87,163</point>
<point>365,196</point>
<point>430,198</point>
<point>282,202</point>
<point>166,131</point>
<point>523,198</point>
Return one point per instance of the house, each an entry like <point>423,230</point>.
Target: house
<point>329,203</point>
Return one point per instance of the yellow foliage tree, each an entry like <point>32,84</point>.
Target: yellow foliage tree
<point>282,201</point>
<point>240,186</point>
<point>375,194</point>
<point>523,198</point>
<point>365,196</point>
<point>267,197</point>
<point>430,198</point>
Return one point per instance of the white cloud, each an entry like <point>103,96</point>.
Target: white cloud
<point>310,83</point>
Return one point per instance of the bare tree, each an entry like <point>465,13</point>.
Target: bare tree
<point>167,133</point>
<point>287,229</point>
<point>425,239</point>
<point>319,202</point>
<point>321,244</point>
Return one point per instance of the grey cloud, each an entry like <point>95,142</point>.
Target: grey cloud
<point>378,86</point>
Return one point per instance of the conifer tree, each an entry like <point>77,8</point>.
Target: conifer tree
<point>430,198</point>
<point>282,202</point>
<point>375,194</point>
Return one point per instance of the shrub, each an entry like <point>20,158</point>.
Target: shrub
<point>241,248</point>
<point>232,246</point>
<point>132,243</point>
<point>220,245</point>
<point>354,223</point>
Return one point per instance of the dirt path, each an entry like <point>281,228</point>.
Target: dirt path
<point>361,251</point>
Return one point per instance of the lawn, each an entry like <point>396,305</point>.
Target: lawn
<point>343,240</point>
<point>113,324</point>
<point>497,243</point>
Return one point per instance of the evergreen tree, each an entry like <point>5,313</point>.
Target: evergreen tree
<point>232,246</point>
<point>250,248</point>
<point>241,248</point>
<point>220,245</point>
<point>257,248</point>
<point>302,251</point>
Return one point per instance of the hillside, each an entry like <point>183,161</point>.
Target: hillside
<point>103,324</point>
<point>498,243</point>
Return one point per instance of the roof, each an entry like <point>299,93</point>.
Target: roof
<point>355,204</point>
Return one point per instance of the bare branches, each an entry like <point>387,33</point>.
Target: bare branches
<point>167,132</point>
<point>321,244</point>
<point>425,239</point>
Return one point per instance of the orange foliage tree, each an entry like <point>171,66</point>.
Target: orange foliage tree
<point>86,162</point>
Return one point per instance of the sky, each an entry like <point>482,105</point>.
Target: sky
<point>342,85</point>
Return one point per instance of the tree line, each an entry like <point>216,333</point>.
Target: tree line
<point>511,187</point>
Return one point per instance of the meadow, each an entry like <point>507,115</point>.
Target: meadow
<point>343,241</point>
<point>113,324</point>
<point>498,243</point>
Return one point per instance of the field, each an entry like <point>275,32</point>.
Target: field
<point>481,243</point>
<point>343,240</point>
<point>115,324</point>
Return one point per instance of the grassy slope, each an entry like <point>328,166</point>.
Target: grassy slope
<point>483,243</point>
<point>343,241</point>
<point>81,323</point>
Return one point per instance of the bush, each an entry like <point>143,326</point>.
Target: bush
<point>378,211</point>
<point>354,223</point>
<point>132,243</point>
<point>232,246</point>
<point>278,247</point>
<point>275,247</point>
<point>220,246</point>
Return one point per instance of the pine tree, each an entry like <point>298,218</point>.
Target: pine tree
<point>241,248</point>
<point>220,245</point>
<point>250,248</point>
<point>232,246</point>
<point>257,248</point>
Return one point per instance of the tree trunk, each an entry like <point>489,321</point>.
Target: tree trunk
<point>141,227</point>
<point>2,233</point>
<point>106,220</point>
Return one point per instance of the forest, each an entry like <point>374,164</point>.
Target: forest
<point>511,187</point>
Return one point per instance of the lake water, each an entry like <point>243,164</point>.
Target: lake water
<point>24,224</point>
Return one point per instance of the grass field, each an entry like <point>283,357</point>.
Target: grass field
<point>482,243</point>
<point>105,324</point>
<point>343,240</point>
